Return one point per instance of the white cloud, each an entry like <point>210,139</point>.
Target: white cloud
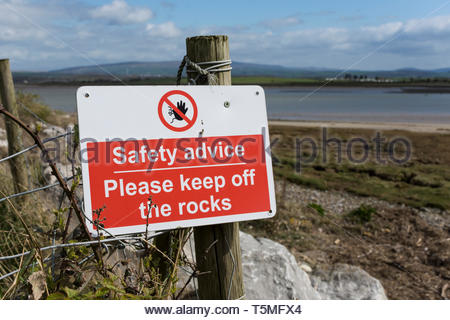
<point>293,20</point>
<point>382,32</point>
<point>423,43</point>
<point>164,30</point>
<point>396,35</point>
<point>316,38</point>
<point>119,12</point>
<point>119,31</point>
<point>15,14</point>
<point>435,25</point>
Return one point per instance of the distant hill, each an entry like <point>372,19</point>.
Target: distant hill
<point>133,68</point>
<point>169,68</point>
<point>443,70</point>
<point>137,69</point>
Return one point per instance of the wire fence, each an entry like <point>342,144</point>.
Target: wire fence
<point>143,241</point>
<point>76,244</point>
<point>35,146</point>
<point>84,243</point>
<point>12,196</point>
<point>137,241</point>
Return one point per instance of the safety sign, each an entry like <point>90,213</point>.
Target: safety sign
<point>163,157</point>
<point>184,113</point>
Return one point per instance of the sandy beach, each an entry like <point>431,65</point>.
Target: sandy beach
<point>405,126</point>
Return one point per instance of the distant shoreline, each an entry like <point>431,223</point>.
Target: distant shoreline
<point>63,98</point>
<point>415,86</point>
<point>402,126</point>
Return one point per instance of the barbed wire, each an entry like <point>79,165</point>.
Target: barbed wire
<point>77,244</point>
<point>17,270</point>
<point>114,241</point>
<point>12,196</point>
<point>84,243</point>
<point>33,113</point>
<point>35,146</point>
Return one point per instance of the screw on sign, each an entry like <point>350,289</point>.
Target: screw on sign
<point>177,110</point>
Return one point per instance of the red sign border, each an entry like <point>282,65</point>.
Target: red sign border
<point>161,116</point>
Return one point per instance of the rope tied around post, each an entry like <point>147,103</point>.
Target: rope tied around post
<point>213,67</point>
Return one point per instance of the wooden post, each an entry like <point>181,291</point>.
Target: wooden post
<point>217,247</point>
<point>14,134</point>
<point>163,243</point>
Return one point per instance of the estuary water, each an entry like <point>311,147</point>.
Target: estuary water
<point>311,103</point>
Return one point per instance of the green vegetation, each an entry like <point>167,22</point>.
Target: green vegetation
<point>422,84</point>
<point>438,85</point>
<point>32,103</point>
<point>39,219</point>
<point>31,109</point>
<point>305,180</point>
<point>318,208</point>
<point>13,235</point>
<point>363,213</point>
<point>424,181</point>
<point>273,81</point>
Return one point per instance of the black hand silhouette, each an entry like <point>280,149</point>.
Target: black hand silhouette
<point>182,107</point>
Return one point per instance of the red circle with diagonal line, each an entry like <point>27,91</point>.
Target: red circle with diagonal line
<point>189,121</point>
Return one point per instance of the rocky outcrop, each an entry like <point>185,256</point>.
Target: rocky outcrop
<point>52,131</point>
<point>271,272</point>
<point>3,141</point>
<point>64,169</point>
<point>345,282</point>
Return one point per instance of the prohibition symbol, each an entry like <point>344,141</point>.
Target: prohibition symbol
<point>177,110</point>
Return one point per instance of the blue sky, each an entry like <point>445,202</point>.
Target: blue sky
<point>52,34</point>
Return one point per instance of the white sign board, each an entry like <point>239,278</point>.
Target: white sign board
<point>165,157</point>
